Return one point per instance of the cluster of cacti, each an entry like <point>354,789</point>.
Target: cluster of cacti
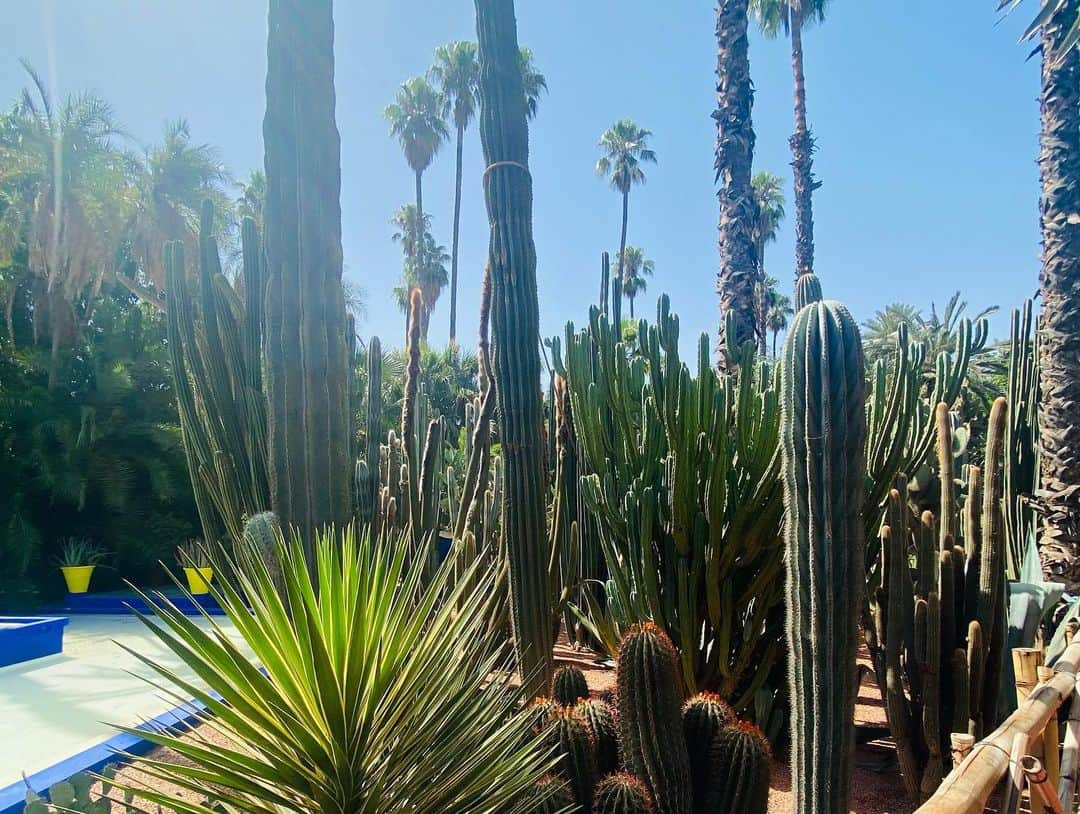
<point>680,478</point>
<point>1022,439</point>
<point>655,754</point>
<point>215,349</point>
<point>940,613</point>
<point>75,794</point>
<point>823,427</point>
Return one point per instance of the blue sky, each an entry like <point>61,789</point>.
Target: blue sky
<point>925,112</point>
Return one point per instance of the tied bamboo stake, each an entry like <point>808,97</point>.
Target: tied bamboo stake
<point>1051,738</point>
<point>1014,789</point>
<point>1069,755</point>
<point>1039,785</point>
<point>961,746</point>
<point>1026,664</point>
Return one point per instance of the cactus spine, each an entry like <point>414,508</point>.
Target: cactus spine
<point>306,350</point>
<point>622,793</point>
<point>823,425</point>
<point>601,718</point>
<point>650,734</point>
<point>570,735</point>
<point>738,780</point>
<point>569,686</point>
<point>515,327</point>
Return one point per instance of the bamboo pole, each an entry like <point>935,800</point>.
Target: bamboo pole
<point>968,787</point>
<point>961,745</point>
<point>1051,740</point>
<point>1014,787</point>
<point>1069,755</point>
<point>1039,786</point>
<point>1026,664</point>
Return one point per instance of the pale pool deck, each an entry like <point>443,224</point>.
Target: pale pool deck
<point>55,707</point>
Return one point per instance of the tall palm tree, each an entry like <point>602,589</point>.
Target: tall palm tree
<point>424,269</point>
<point>69,196</point>
<point>738,276</point>
<point>416,120</point>
<point>1049,9</point>
<point>635,269</point>
<point>791,16</point>
<point>533,83</point>
<point>252,198</point>
<point>457,73</point>
<point>626,148</point>
<point>769,195</point>
<point>1059,409</point>
<point>776,318</point>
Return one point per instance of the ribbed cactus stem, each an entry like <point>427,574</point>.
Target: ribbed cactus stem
<point>601,717</point>
<point>823,427</point>
<point>553,796</point>
<point>622,793</point>
<point>572,739</point>
<point>740,761</point>
<point>650,732</point>
<point>991,614</point>
<point>703,716</point>
<point>568,686</point>
<point>261,534</point>
<point>807,290</point>
<point>947,517</point>
<point>373,425</point>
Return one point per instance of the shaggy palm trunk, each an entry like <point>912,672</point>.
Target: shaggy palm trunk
<point>1059,412</point>
<point>802,158</point>
<point>515,321</point>
<point>454,245</point>
<point>622,243</point>
<point>305,346</point>
<point>734,159</point>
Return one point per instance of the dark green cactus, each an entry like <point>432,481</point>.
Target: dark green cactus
<point>568,686</point>
<point>622,793</point>
<point>553,796</point>
<point>807,290</point>
<point>650,731</point>
<point>571,738</point>
<point>703,716</point>
<point>367,470</point>
<point>540,712</point>
<point>823,427</point>
<point>601,717</point>
<point>739,760</point>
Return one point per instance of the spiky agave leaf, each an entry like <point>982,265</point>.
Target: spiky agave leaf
<point>378,692</point>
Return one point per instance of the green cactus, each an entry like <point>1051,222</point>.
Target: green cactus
<point>739,761</point>
<point>553,796</point>
<point>823,426</point>
<point>622,793</point>
<point>571,738</point>
<point>568,686</point>
<point>540,713</point>
<point>74,794</point>
<point>261,534</point>
<point>367,470</point>
<point>650,732</point>
<point>601,717</point>
<point>807,290</point>
<point>703,716</point>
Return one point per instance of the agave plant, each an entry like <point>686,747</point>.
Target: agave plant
<point>370,691</point>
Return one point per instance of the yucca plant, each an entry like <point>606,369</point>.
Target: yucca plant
<point>378,691</point>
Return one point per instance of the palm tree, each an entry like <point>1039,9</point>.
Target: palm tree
<point>777,316</point>
<point>533,82</point>
<point>252,197</point>
<point>635,268</point>
<point>416,120</point>
<point>769,195</point>
<point>1059,379</point>
<point>738,276</point>
<point>625,147</point>
<point>68,194</point>
<point>790,16</point>
<point>1050,9</point>
<point>457,73</point>
<point>424,269</point>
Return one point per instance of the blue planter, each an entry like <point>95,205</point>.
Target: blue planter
<point>30,637</point>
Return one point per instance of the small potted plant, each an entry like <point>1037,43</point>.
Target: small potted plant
<point>78,559</point>
<point>195,561</point>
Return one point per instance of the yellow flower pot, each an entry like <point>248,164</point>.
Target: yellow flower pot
<point>198,580</point>
<point>77,577</point>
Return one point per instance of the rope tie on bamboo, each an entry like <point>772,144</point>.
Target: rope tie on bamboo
<point>497,164</point>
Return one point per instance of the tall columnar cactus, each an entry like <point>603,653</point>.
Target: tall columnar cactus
<point>823,426</point>
<point>601,717</point>
<point>305,346</point>
<point>569,734</point>
<point>568,686</point>
<point>622,793</point>
<point>739,761</point>
<point>650,731</point>
<point>367,480</point>
<point>515,325</point>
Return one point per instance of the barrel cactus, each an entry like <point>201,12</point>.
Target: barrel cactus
<point>553,796</point>
<point>739,760</point>
<point>622,793</point>
<point>807,290</point>
<point>569,686</point>
<point>703,716</point>
<point>650,730</point>
<point>601,718</point>
<point>569,735</point>
<point>823,427</point>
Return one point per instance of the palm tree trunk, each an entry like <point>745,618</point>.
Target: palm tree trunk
<point>631,298</point>
<point>418,227</point>
<point>775,333</point>
<point>734,158</point>
<point>1059,410</point>
<point>622,240</point>
<point>802,158</point>
<point>454,244</point>
<point>515,329</point>
<point>762,304</point>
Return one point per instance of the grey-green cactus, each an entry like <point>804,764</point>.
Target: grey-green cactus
<point>74,794</point>
<point>622,793</point>
<point>568,686</point>
<point>823,431</point>
<point>650,730</point>
<point>807,290</point>
<point>740,765</point>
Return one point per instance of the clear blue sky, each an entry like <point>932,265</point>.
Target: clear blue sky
<point>925,112</point>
